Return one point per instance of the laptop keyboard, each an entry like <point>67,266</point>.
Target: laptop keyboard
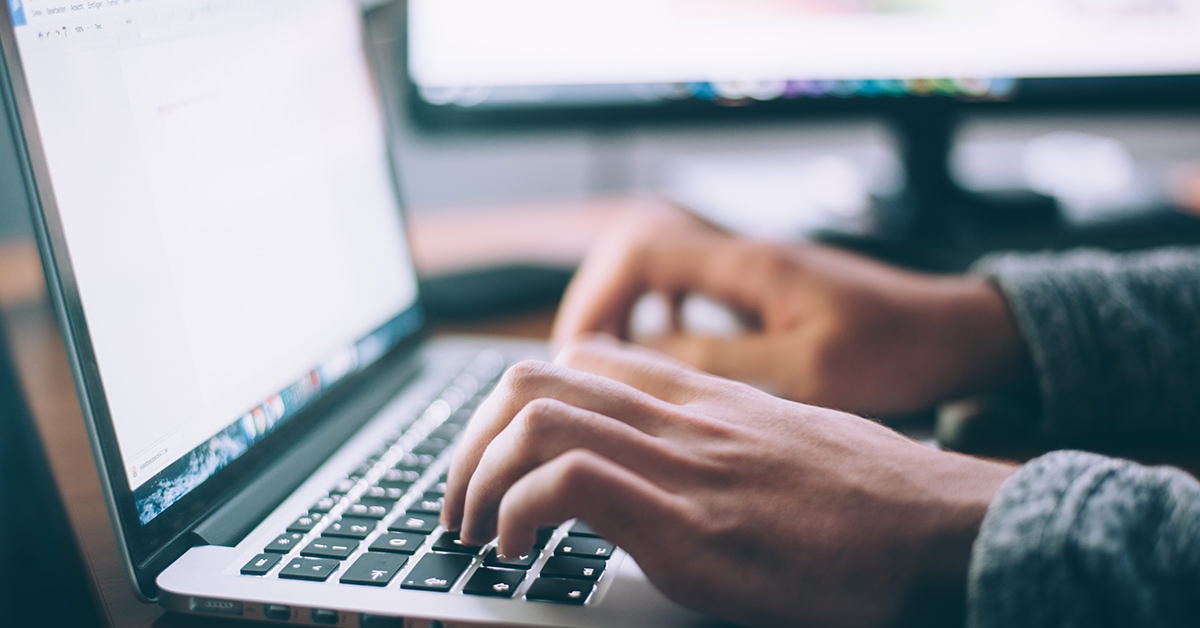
<point>378,527</point>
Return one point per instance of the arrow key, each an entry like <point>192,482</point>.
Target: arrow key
<point>494,582</point>
<point>373,569</point>
<point>572,567</point>
<point>584,547</point>
<point>561,590</point>
<point>436,572</point>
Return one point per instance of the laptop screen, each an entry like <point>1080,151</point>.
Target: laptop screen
<point>221,176</point>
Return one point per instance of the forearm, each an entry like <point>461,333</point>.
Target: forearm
<point>1076,539</point>
<point>1113,341</point>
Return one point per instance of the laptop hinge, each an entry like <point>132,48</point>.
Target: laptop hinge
<point>233,520</point>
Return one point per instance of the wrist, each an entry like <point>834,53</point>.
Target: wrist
<point>937,592</point>
<point>983,334</point>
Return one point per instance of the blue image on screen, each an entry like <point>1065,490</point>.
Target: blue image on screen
<point>17,9</point>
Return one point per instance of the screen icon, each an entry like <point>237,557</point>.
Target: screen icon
<point>17,9</point>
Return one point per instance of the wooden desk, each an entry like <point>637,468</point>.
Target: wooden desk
<point>443,241</point>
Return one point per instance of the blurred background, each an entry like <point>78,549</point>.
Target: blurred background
<point>466,163</point>
<point>746,113</point>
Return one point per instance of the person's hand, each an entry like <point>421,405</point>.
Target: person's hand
<point>826,326</point>
<point>733,502</point>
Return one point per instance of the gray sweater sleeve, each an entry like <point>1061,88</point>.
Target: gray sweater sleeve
<point>1075,539</point>
<point>1114,340</point>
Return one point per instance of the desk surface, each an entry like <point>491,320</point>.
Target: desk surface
<point>443,241</point>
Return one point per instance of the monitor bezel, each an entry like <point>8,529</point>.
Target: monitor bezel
<point>1149,93</point>
<point>147,549</point>
<point>1094,94</point>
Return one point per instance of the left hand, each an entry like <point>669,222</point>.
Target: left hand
<point>732,501</point>
<point>824,326</point>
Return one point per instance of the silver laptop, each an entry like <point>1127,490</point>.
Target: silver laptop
<point>217,213</point>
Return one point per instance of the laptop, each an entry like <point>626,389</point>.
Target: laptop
<point>220,227</point>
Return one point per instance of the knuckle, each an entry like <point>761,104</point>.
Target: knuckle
<point>538,420</point>
<point>576,471</point>
<point>524,376</point>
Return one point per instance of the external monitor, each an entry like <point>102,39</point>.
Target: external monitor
<point>918,63</point>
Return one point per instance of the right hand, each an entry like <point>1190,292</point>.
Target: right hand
<point>827,327</point>
<point>733,502</point>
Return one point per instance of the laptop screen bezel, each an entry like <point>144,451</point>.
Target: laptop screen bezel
<point>144,548</point>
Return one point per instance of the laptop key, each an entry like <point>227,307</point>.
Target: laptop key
<point>419,462</point>
<point>432,446</point>
<point>330,547</point>
<point>283,543</point>
<point>383,493</point>
<point>561,590</point>
<point>397,543</point>
<point>494,582</point>
<point>316,569</point>
<point>362,470</point>
<point>399,485</point>
<point>343,486</point>
<point>579,528</point>
<point>414,522</point>
<point>407,466</point>
<point>584,547</point>
<point>449,542</point>
<point>369,509</point>
<point>351,527</point>
<point>324,505</point>
<point>572,567</point>
<point>448,431</point>
<point>373,570</point>
<point>544,534</point>
<point>457,421</point>
<point>429,504</point>
<point>524,561</point>
<point>304,523</point>
<point>396,477</point>
<point>436,572</point>
<point>260,565</point>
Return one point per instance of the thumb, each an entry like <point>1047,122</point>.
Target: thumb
<point>750,358</point>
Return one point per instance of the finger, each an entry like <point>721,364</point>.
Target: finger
<point>603,292</point>
<point>751,358</point>
<point>543,430</point>
<point>620,505</point>
<point>653,372</point>
<point>531,380</point>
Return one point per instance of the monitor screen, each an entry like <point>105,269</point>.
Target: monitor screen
<point>483,54</point>
<point>220,172</point>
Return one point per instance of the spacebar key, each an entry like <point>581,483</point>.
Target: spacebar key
<point>436,572</point>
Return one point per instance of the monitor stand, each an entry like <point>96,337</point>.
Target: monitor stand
<point>935,224</point>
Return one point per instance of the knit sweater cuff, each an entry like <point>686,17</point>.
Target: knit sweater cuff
<point>1076,539</point>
